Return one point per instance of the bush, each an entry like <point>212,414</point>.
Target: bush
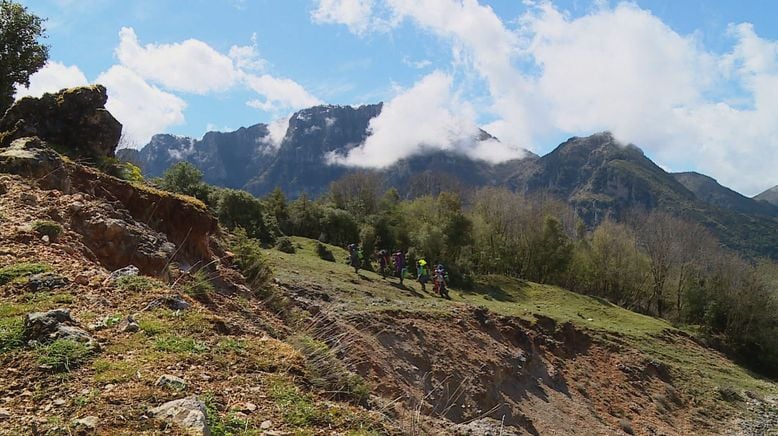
<point>285,245</point>
<point>241,209</point>
<point>47,228</point>
<point>19,270</point>
<point>324,252</point>
<point>185,178</point>
<point>130,173</point>
<point>63,354</point>
<point>137,283</point>
<point>250,260</point>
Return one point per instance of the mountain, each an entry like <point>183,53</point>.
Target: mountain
<point>707,189</point>
<point>769,196</point>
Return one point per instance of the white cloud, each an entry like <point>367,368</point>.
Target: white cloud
<point>246,57</point>
<point>189,66</point>
<point>143,109</point>
<point>355,14</point>
<point>426,116</point>
<point>51,78</point>
<point>277,131</point>
<point>279,93</point>
<point>619,68</point>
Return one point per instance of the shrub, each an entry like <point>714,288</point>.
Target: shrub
<point>250,260</point>
<point>285,245</point>
<point>130,173</point>
<point>299,410</point>
<point>198,284</point>
<point>324,252</point>
<point>241,209</point>
<point>47,228</point>
<point>326,371</point>
<point>19,270</point>
<point>63,354</point>
<point>137,283</point>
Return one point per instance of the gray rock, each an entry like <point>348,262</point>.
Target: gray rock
<point>44,327</point>
<point>129,270</point>
<point>484,427</point>
<point>87,423</point>
<point>129,325</point>
<point>187,413</point>
<point>171,381</point>
<point>46,282</point>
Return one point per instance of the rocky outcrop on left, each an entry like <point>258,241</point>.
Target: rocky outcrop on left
<point>45,327</point>
<point>73,120</point>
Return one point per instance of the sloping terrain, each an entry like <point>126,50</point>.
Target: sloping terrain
<point>531,358</point>
<point>769,196</point>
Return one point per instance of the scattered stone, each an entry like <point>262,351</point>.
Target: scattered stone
<point>266,424</point>
<point>45,239</point>
<point>171,381</point>
<point>129,270</point>
<point>109,387</point>
<point>87,423</point>
<point>249,407</point>
<point>187,413</point>
<point>5,413</point>
<point>44,327</point>
<point>129,325</point>
<point>59,402</point>
<point>81,279</point>
<point>46,282</point>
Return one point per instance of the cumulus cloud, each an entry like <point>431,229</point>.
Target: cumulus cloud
<point>619,68</point>
<point>277,131</point>
<point>51,78</point>
<point>355,14</point>
<point>279,93</point>
<point>143,109</point>
<point>427,116</point>
<point>246,57</point>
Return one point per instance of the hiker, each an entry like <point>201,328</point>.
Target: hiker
<point>440,280</point>
<point>383,261</point>
<point>399,265</point>
<point>354,257</point>
<point>422,273</point>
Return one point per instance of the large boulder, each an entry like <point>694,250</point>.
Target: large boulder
<point>32,158</point>
<point>73,120</point>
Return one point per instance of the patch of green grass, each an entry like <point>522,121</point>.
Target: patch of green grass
<point>228,425</point>
<point>109,371</point>
<point>47,228</point>
<point>297,408</point>
<point>11,334</point>
<point>86,398</point>
<point>198,284</point>
<point>63,354</point>
<point>138,283</point>
<point>21,270</point>
<point>152,327</point>
<point>237,346</point>
<point>178,344</point>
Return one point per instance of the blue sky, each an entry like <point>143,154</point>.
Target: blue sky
<point>692,82</point>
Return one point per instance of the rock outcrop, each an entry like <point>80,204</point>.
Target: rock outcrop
<point>44,327</point>
<point>186,413</point>
<point>74,120</point>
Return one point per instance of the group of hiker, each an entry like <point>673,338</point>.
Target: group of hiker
<point>394,263</point>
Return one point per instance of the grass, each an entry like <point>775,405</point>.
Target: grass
<point>297,408</point>
<point>11,334</point>
<point>109,371</point>
<point>63,354</point>
<point>698,370</point>
<point>47,228</point>
<point>21,270</point>
<point>178,344</point>
<point>138,283</point>
<point>185,198</point>
<point>198,285</point>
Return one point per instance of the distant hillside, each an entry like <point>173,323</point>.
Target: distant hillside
<point>710,191</point>
<point>769,196</point>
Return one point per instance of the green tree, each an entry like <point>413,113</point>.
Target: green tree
<point>277,207</point>
<point>241,209</point>
<point>21,52</point>
<point>186,179</point>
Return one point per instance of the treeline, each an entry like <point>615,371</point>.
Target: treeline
<point>652,262</point>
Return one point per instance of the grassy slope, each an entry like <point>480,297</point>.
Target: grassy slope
<point>700,371</point>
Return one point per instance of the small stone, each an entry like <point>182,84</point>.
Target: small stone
<point>5,413</point>
<point>81,279</point>
<point>46,282</point>
<point>129,325</point>
<point>86,423</point>
<point>171,381</point>
<point>266,424</point>
<point>109,387</point>
<point>45,238</point>
<point>188,413</point>
<point>249,407</point>
<point>59,402</point>
<point>205,377</point>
